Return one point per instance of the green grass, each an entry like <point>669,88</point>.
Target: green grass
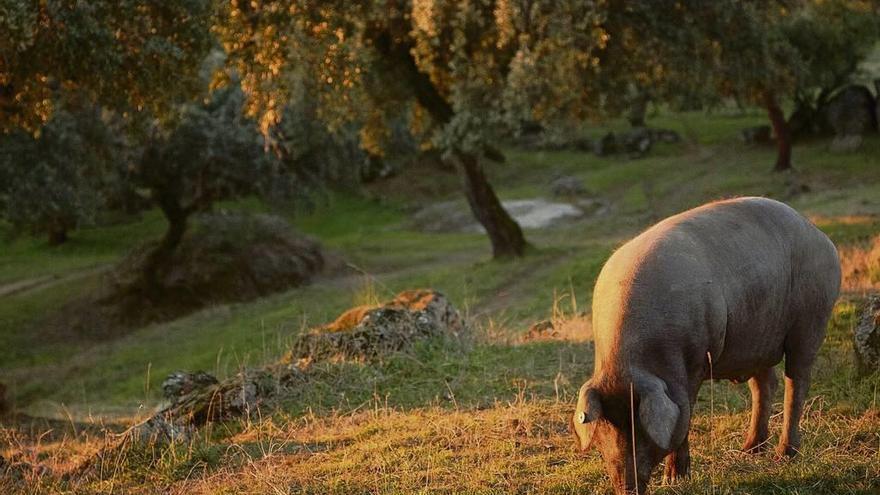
<point>27,257</point>
<point>484,415</point>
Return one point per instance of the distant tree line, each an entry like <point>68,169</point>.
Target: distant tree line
<point>119,104</point>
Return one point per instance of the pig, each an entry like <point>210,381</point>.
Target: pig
<point>722,291</point>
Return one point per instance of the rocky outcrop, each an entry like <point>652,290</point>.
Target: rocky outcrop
<point>852,114</point>
<point>866,337</point>
<point>365,333</point>
<point>635,142</point>
<point>454,216</point>
<point>567,186</point>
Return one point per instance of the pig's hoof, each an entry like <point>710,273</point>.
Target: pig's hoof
<point>786,452</point>
<point>669,479</point>
<point>755,447</point>
<point>672,477</point>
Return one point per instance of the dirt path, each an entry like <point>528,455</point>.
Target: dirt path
<point>37,283</point>
<point>515,286</point>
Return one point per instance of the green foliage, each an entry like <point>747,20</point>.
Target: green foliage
<point>52,183</point>
<point>129,54</point>
<point>212,153</point>
<point>787,49</point>
<point>832,37</point>
<point>452,63</point>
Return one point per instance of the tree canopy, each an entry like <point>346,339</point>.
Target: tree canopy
<point>125,54</point>
<point>459,73</point>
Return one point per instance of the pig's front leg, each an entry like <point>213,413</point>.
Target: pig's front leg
<point>678,464</point>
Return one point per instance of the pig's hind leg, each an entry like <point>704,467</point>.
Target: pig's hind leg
<point>763,386</point>
<point>801,347</point>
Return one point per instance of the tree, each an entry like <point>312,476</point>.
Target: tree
<point>53,183</point>
<point>129,55</point>
<point>835,37</point>
<point>767,52</point>
<point>212,153</point>
<point>370,61</point>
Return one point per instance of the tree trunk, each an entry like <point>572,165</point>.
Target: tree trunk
<point>780,129</point>
<point>57,234</point>
<point>160,257</point>
<point>504,233</point>
<point>638,109</point>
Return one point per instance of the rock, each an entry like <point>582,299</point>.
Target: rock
<point>593,206</point>
<point>866,337</point>
<point>539,213</point>
<point>759,134</point>
<point>605,145</point>
<point>363,334</point>
<point>567,186</point>
<point>637,142</point>
<point>453,216</point>
<point>367,333</point>
<point>852,111</point>
<point>846,144</point>
<point>180,383</point>
<point>665,136</point>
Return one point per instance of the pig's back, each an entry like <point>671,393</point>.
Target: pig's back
<point>728,277</point>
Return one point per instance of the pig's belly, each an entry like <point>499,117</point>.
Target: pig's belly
<point>746,352</point>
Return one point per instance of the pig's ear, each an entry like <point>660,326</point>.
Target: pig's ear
<point>589,406</point>
<point>657,413</point>
<point>583,421</point>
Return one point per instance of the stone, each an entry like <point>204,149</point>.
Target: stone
<point>567,186</point>
<point>454,216</point>
<point>852,111</point>
<point>368,333</point>
<point>866,337</point>
<point>364,334</point>
<point>846,144</point>
<point>180,383</point>
<point>759,134</point>
<point>667,136</point>
<point>637,142</point>
<point>605,145</point>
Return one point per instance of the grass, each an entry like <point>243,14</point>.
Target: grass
<point>484,415</point>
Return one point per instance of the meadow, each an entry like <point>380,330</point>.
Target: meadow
<point>487,413</point>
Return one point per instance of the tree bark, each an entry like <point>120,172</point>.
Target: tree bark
<point>161,256</point>
<point>638,109</point>
<point>504,233</point>
<point>57,235</point>
<point>781,130</point>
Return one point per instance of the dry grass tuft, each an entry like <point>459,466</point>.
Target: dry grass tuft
<point>860,265</point>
